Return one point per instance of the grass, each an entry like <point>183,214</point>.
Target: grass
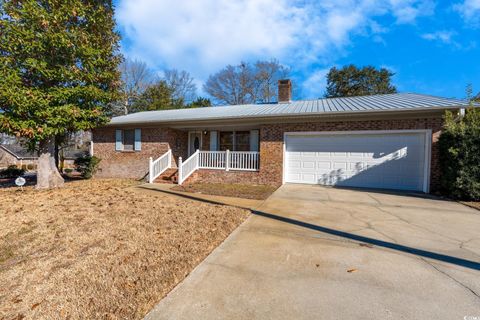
<point>258,192</point>
<point>473,204</point>
<point>100,249</point>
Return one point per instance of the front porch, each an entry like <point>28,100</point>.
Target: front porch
<point>218,150</point>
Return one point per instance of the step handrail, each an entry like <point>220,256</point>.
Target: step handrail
<point>159,166</point>
<point>187,167</point>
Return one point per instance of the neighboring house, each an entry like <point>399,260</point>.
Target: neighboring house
<point>384,141</point>
<point>16,155</point>
<point>12,152</point>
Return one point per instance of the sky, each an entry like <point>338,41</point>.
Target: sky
<point>433,47</point>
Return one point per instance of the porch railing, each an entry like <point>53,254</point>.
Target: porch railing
<point>185,169</point>
<point>212,159</point>
<point>243,160</point>
<point>220,160</point>
<point>159,166</point>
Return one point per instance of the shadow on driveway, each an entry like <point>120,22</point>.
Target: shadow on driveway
<point>398,247</point>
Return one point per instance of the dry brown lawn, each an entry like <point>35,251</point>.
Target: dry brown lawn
<point>100,249</point>
<point>473,204</point>
<point>257,192</point>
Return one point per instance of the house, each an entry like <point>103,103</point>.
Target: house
<point>14,154</point>
<point>383,141</point>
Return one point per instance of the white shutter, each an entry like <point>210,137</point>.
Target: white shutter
<point>138,139</point>
<point>254,135</point>
<point>213,140</point>
<point>118,140</point>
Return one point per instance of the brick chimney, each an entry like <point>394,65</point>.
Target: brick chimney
<point>284,91</point>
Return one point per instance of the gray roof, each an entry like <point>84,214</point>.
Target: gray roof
<point>19,151</point>
<point>376,103</point>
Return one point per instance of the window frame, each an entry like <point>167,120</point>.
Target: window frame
<point>234,139</point>
<point>122,140</point>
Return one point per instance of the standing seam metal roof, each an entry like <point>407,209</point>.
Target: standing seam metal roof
<point>376,103</point>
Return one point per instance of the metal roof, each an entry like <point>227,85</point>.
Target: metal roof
<point>363,104</point>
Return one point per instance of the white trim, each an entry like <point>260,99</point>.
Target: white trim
<point>426,132</point>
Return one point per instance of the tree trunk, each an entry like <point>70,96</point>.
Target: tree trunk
<point>47,172</point>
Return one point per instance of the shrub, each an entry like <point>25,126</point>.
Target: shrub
<point>11,172</point>
<point>459,147</point>
<point>68,170</point>
<point>87,165</point>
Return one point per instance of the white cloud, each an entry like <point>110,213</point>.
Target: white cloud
<point>469,10</point>
<point>442,36</point>
<point>314,86</point>
<point>407,11</point>
<point>202,36</point>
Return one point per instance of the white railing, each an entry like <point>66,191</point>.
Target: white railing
<point>212,160</point>
<point>243,160</point>
<point>185,169</point>
<point>222,160</point>
<point>159,166</point>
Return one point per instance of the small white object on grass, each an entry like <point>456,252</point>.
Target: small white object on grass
<point>20,182</point>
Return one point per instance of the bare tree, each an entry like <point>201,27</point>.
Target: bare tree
<point>246,83</point>
<point>267,74</point>
<point>181,84</point>
<point>136,78</point>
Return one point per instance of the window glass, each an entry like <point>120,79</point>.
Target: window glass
<point>226,140</point>
<point>128,140</point>
<point>242,141</point>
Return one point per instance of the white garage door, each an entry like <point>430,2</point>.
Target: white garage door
<point>393,160</point>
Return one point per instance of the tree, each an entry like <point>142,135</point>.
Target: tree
<point>136,78</point>
<point>459,147</point>
<point>199,103</point>
<point>58,71</point>
<point>352,81</point>
<point>267,74</point>
<point>159,96</point>
<point>182,85</point>
<point>246,83</point>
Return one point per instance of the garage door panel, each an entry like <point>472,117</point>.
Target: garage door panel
<point>393,161</point>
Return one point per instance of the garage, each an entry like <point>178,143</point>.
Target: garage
<point>379,159</point>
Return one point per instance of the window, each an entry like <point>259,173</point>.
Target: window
<point>226,140</point>
<point>242,141</point>
<point>128,140</point>
<point>236,141</point>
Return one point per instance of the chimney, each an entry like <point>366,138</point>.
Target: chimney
<point>284,91</point>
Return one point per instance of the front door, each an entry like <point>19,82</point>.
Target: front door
<point>194,141</point>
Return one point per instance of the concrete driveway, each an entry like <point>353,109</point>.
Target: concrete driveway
<point>322,253</point>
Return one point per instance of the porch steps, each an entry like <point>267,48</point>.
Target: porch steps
<point>170,176</point>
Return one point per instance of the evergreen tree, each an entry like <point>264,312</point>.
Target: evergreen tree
<point>352,81</point>
<point>58,72</point>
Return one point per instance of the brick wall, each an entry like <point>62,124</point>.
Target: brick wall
<point>134,164</point>
<point>155,141</point>
<point>271,148</point>
<point>271,141</point>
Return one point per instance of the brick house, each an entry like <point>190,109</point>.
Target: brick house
<point>384,141</point>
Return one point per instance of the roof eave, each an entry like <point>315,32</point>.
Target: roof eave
<point>292,115</point>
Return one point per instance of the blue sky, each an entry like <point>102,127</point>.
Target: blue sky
<point>432,46</point>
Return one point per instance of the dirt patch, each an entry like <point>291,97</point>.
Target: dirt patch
<point>100,249</point>
<point>257,192</point>
<point>473,204</point>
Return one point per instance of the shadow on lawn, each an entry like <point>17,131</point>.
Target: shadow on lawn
<point>398,247</point>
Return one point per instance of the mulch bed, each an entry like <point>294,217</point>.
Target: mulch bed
<point>100,249</point>
<point>257,192</point>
